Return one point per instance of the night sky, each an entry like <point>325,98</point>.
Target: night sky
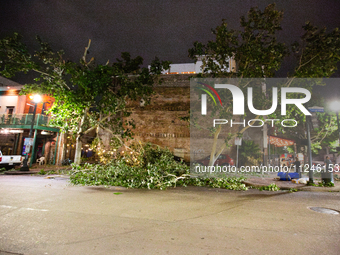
<point>149,28</point>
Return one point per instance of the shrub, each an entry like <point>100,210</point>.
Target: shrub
<point>326,184</point>
<point>270,187</point>
<point>42,172</point>
<point>250,153</point>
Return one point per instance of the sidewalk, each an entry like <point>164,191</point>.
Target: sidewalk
<point>35,169</point>
<point>256,182</point>
<point>287,185</point>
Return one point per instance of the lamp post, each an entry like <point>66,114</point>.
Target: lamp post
<point>36,99</point>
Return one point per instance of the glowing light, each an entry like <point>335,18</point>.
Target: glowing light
<point>37,98</point>
<point>5,131</point>
<point>335,106</point>
<point>188,72</point>
<point>16,131</point>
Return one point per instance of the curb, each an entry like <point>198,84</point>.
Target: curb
<point>298,187</point>
<point>20,172</point>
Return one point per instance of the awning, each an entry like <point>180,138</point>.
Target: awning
<point>280,142</point>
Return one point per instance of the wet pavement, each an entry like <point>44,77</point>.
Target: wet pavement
<point>40,215</point>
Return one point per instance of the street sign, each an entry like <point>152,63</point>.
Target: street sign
<point>28,141</point>
<point>316,109</point>
<point>238,141</point>
<point>27,148</point>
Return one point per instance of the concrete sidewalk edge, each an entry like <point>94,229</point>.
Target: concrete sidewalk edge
<point>288,185</point>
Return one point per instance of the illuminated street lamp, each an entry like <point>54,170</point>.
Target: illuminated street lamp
<point>36,99</point>
<point>335,106</point>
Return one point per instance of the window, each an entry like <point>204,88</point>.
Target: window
<point>10,110</point>
<point>31,109</point>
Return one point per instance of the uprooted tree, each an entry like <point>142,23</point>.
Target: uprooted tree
<point>258,54</point>
<point>87,95</point>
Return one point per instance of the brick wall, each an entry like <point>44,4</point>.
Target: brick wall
<point>159,122</point>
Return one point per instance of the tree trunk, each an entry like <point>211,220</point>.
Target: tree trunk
<point>63,140</point>
<point>77,156</point>
<point>213,151</point>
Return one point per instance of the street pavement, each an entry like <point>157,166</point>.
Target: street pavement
<point>50,216</point>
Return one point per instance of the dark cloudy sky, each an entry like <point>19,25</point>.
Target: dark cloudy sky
<point>147,28</point>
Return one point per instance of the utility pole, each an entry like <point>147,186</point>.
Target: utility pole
<point>311,120</point>
<point>265,143</point>
<point>265,127</point>
<point>311,177</point>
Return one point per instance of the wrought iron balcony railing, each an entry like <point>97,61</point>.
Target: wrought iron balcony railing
<point>23,119</point>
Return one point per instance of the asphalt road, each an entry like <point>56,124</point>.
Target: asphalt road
<point>49,216</point>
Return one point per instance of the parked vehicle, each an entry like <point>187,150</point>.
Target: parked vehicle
<point>222,160</point>
<point>10,161</point>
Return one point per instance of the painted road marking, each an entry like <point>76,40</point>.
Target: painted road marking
<point>23,208</point>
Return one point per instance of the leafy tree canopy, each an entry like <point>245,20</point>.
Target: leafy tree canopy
<point>258,54</point>
<point>87,95</point>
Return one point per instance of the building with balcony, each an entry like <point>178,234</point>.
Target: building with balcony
<point>16,116</point>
